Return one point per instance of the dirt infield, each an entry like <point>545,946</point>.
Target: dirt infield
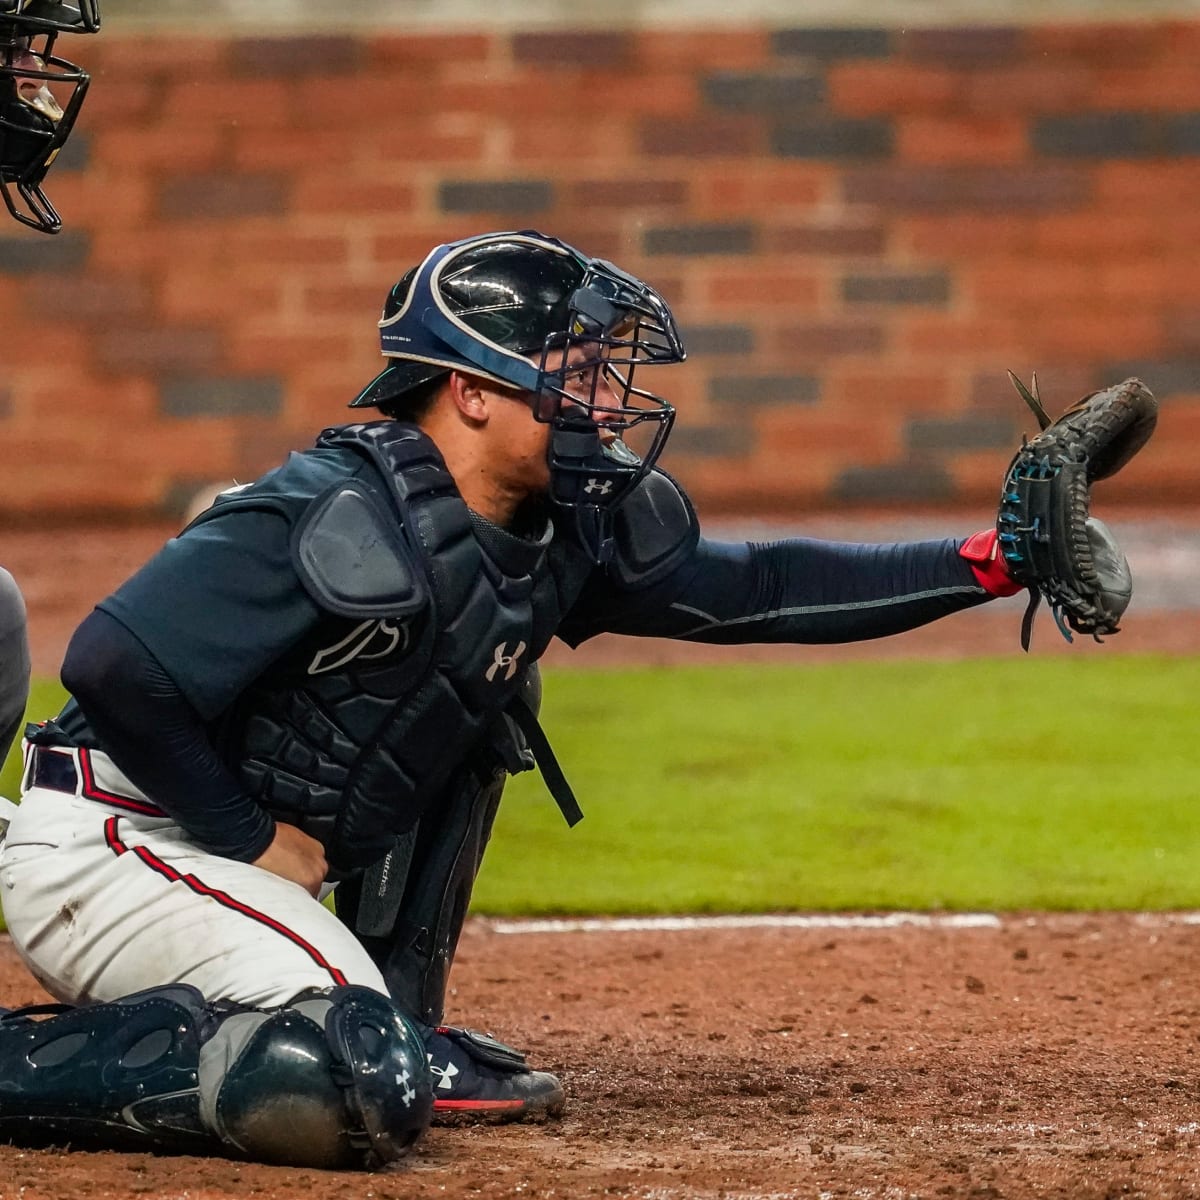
<point>1039,1056</point>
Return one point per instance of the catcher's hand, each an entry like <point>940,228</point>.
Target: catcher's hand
<point>1050,542</point>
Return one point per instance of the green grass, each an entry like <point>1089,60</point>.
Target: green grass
<point>1008,784</point>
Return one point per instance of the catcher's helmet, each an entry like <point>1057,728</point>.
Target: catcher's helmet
<point>531,312</point>
<point>40,98</point>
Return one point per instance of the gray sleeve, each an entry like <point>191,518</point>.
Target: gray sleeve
<point>14,661</point>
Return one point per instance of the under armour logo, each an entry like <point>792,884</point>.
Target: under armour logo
<point>408,1092</point>
<point>370,639</point>
<point>603,486</point>
<point>445,1075</point>
<point>505,660</point>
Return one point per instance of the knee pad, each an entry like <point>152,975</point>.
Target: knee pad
<point>335,1080</point>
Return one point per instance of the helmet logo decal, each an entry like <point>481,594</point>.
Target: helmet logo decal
<point>603,486</point>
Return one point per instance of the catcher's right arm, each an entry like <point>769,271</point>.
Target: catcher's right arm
<point>1050,542</point>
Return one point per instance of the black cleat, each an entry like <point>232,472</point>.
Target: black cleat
<point>476,1077</point>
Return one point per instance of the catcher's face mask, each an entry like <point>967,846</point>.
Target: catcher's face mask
<point>529,311</point>
<point>40,98</point>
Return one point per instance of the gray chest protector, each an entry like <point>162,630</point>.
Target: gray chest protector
<point>355,732</point>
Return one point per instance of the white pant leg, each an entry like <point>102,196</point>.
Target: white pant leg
<point>102,903</point>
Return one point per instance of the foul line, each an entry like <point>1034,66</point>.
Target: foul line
<point>756,921</point>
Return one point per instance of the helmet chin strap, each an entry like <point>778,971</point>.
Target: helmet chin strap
<point>583,481</point>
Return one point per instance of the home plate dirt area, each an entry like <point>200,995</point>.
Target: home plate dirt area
<point>879,1056</point>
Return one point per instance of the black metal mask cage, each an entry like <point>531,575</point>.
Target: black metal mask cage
<point>616,324</point>
<point>41,16</point>
<point>40,99</point>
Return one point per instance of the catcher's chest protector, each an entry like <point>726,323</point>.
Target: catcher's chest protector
<point>426,648</point>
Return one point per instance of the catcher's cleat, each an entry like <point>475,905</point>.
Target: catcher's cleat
<point>475,1077</point>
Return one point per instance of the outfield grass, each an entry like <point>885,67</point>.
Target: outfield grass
<point>1000,784</point>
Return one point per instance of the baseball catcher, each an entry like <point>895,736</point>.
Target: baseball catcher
<point>325,680</point>
<point>1050,542</point>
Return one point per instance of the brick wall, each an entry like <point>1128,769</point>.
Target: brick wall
<point>860,229</point>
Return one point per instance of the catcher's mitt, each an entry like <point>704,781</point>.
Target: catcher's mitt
<point>1050,542</point>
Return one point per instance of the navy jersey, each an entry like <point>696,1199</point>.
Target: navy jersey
<point>163,658</point>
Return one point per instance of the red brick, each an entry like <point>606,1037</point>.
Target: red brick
<point>115,55</point>
<point>1093,330</point>
<point>950,335</point>
<point>196,148</point>
<point>891,87</point>
<point>1101,234</point>
<point>412,146</point>
<point>1044,86</point>
<point>212,297</point>
<point>766,287</point>
<point>627,192</point>
<point>561,142</point>
<point>964,235</point>
<point>258,246</point>
<point>961,139</point>
<point>1150,184</point>
<point>701,50</point>
<point>1101,42</point>
<point>340,193</point>
<point>816,341</point>
<point>1003,284</point>
<point>758,187</point>
<point>885,389</point>
<point>258,349</point>
<point>262,102</point>
<point>253,148</point>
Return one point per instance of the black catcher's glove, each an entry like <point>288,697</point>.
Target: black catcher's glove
<point>1050,542</point>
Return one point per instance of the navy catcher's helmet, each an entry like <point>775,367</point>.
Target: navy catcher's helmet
<point>40,98</point>
<point>528,311</point>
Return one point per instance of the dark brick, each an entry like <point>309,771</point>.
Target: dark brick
<point>982,189</point>
<point>826,43</point>
<point>762,91</point>
<point>867,240</point>
<point>827,338</point>
<point>969,44</point>
<point>1181,330</point>
<point>1164,377</point>
<point>764,389</point>
<point>700,239</point>
<point>701,137</point>
<point>1182,134</point>
<point>913,482</point>
<point>94,298</point>
<point>627,193</point>
<point>578,49</point>
<point>221,396</point>
<point>979,431</point>
<point>1100,135</point>
<point>188,350</point>
<point>325,54</point>
<point>834,137</point>
<point>221,196</point>
<point>1060,386</point>
<point>75,155</point>
<point>32,253</point>
<point>923,287</point>
<point>496,195</point>
<point>718,339</point>
<point>733,439</point>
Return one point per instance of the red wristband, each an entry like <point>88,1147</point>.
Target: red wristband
<point>988,566</point>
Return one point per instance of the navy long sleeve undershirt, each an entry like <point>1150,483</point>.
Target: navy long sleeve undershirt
<point>146,725</point>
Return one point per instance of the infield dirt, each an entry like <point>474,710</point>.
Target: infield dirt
<point>1048,1056</point>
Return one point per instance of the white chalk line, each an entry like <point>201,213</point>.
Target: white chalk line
<point>814,921</point>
